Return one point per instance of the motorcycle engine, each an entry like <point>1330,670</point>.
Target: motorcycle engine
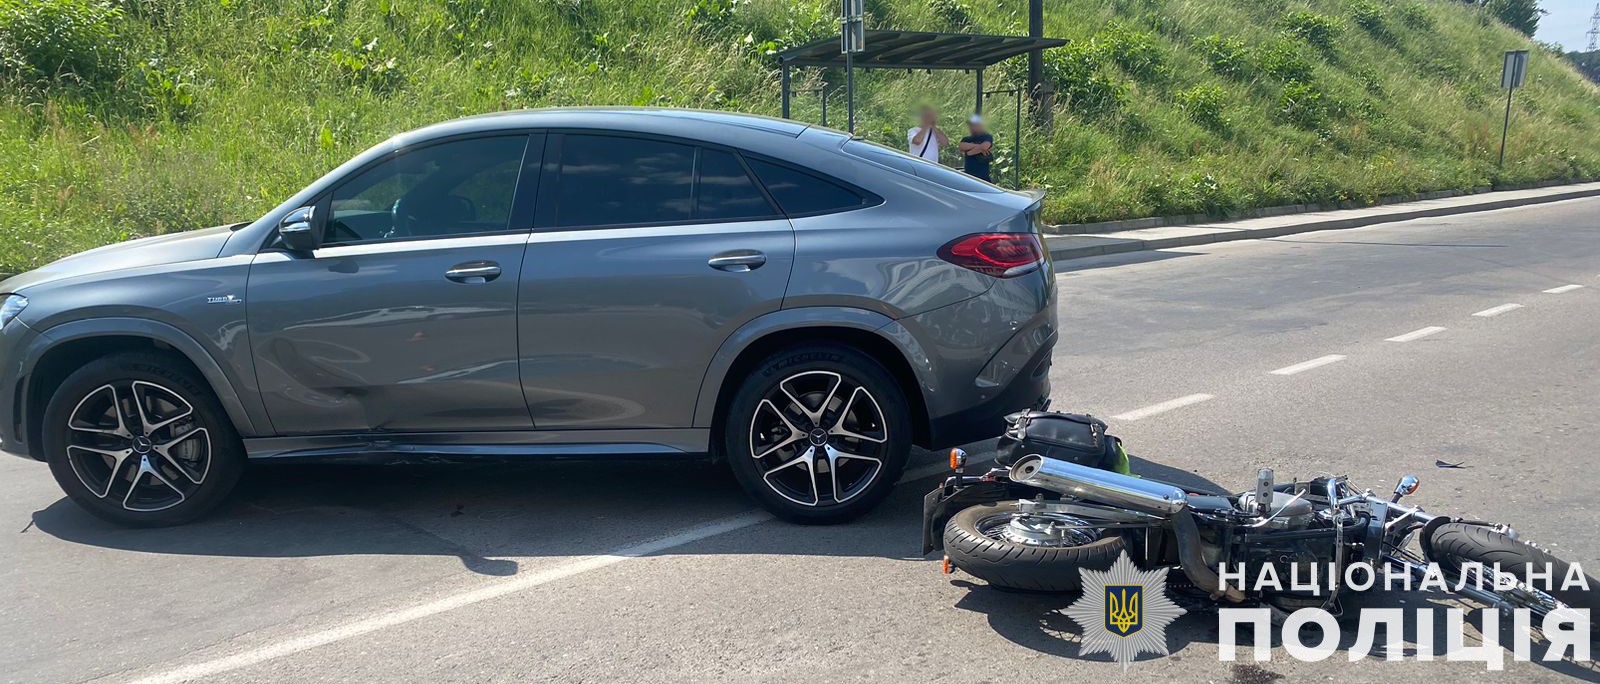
<point>1286,511</point>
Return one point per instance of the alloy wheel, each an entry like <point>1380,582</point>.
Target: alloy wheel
<point>138,444</point>
<point>819,438</point>
<point>1038,529</point>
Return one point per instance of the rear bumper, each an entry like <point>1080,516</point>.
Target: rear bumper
<point>1028,388</point>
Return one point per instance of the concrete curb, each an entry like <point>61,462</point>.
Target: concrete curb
<point>1064,247</point>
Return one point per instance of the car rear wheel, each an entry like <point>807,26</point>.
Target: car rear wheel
<point>818,433</point>
<point>139,439</point>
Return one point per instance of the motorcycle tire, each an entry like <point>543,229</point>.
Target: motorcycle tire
<point>1456,543</point>
<point>1026,567</point>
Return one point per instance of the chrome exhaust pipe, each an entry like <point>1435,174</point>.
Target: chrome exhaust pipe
<point>1103,486</point>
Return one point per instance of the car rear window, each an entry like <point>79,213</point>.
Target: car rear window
<point>921,168</point>
<point>799,193</point>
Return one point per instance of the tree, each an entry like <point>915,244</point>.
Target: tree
<point>1522,15</point>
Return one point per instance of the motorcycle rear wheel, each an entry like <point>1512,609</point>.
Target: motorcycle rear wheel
<point>973,546</point>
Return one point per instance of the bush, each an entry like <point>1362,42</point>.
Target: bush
<point>1077,71</point>
<point>1303,105</point>
<point>1134,51</point>
<point>1203,104</point>
<point>954,14</point>
<point>1369,16</point>
<point>1319,30</point>
<point>1227,56</point>
<point>1285,62</point>
<point>1415,15</point>
<point>44,42</point>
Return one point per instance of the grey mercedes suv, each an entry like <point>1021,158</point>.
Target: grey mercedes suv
<point>563,283</point>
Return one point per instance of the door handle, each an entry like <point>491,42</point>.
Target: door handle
<point>738,260</point>
<point>473,272</point>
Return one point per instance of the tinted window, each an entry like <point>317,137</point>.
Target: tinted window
<point>613,180</point>
<point>725,192</point>
<point>921,168</point>
<point>802,193</point>
<point>454,188</point>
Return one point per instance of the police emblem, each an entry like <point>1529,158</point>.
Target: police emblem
<point>1122,608</point>
<point>1124,611</point>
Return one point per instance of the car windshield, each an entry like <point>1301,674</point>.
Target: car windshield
<point>921,168</point>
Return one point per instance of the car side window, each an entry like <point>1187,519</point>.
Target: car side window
<point>724,191</point>
<point>799,193</point>
<point>615,180</point>
<point>462,187</point>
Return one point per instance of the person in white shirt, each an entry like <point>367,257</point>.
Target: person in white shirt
<point>926,140</point>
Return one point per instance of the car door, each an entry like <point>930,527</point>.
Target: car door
<point>404,320</point>
<point>647,254</point>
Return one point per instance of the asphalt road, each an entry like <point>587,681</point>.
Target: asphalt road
<point>632,572</point>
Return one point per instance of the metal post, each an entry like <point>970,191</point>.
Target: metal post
<point>784,81</point>
<point>850,88</point>
<point>1016,145</point>
<point>978,108</point>
<point>1505,129</point>
<point>823,95</point>
<point>1035,57</point>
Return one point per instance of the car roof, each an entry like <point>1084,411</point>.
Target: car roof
<point>688,122</point>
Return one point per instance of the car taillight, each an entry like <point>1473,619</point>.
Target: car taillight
<point>1002,255</point>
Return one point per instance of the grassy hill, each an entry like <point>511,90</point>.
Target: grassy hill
<point>142,117</point>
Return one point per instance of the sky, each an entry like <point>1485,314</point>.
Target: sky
<point>1567,22</point>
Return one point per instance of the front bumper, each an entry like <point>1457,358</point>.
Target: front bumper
<point>15,339</point>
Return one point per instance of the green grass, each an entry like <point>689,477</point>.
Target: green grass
<point>144,117</point>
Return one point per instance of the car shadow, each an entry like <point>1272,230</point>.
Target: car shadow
<point>489,515</point>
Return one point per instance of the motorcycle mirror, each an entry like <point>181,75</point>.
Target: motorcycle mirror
<point>1408,485</point>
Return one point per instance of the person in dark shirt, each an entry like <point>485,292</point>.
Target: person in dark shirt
<point>977,149</point>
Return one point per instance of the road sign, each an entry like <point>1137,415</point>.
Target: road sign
<point>853,26</point>
<point>1515,68</point>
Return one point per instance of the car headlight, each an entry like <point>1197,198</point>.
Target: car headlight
<point>10,307</point>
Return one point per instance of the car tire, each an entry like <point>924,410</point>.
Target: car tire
<point>140,440</point>
<point>818,433</point>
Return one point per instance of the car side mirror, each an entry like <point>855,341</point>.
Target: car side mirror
<point>299,230</point>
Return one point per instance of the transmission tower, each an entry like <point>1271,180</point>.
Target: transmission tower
<point>1594,29</point>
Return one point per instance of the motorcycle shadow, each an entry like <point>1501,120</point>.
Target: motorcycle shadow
<point>1039,622</point>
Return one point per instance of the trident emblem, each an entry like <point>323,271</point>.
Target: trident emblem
<point>1124,614</point>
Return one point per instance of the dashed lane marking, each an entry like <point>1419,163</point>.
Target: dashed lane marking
<point>1563,288</point>
<point>1417,334</point>
<point>1496,311</point>
<point>1163,407</point>
<point>1308,365</point>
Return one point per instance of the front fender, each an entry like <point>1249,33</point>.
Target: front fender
<point>222,382</point>
<point>808,317</point>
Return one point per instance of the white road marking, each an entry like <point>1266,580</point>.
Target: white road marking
<point>1308,365</point>
<point>1416,334</point>
<point>492,589</point>
<point>1162,407</point>
<point>1496,311</point>
<point>1563,288</point>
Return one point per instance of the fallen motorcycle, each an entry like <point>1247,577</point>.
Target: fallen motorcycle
<point>1033,522</point>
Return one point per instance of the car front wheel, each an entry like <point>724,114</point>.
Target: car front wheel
<point>818,433</point>
<point>139,439</point>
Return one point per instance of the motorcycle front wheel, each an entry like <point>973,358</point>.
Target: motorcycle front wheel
<point>1007,548</point>
<point>1455,544</point>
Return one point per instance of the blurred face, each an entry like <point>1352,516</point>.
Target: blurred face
<point>930,117</point>
<point>974,128</point>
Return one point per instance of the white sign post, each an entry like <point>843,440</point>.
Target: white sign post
<point>1516,66</point>
<point>852,40</point>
